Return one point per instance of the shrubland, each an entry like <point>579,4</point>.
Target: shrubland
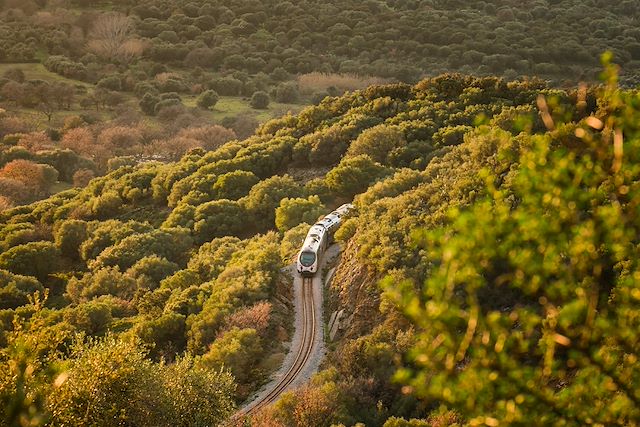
<point>86,83</point>
<point>504,241</point>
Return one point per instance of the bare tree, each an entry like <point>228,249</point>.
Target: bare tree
<point>111,38</point>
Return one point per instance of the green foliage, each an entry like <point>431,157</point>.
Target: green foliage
<point>218,218</point>
<point>69,236</point>
<point>93,317</point>
<point>265,197</point>
<point>377,142</point>
<point>235,350</point>
<point>148,104</point>
<point>234,185</point>
<point>111,381</point>
<point>37,259</point>
<point>213,256</point>
<point>16,289</point>
<point>198,397</point>
<point>164,334</point>
<point>171,244</point>
<point>105,281</point>
<point>155,252</point>
<point>27,376</point>
<point>354,174</point>
<point>532,292</point>
<point>208,99</point>
<point>292,212</point>
<point>259,100</point>
<point>151,270</point>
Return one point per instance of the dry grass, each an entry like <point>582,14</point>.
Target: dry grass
<point>315,82</point>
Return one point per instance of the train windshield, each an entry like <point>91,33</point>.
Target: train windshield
<point>307,258</point>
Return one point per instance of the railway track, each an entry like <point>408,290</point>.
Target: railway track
<point>309,325</point>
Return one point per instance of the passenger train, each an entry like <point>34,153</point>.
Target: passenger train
<point>319,237</point>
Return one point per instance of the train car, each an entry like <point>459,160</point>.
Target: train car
<point>319,237</point>
<point>314,245</point>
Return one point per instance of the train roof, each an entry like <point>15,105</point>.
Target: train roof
<point>343,209</point>
<point>314,237</point>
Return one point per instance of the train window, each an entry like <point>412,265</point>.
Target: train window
<point>307,258</point>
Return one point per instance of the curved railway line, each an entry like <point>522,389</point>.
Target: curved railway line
<point>309,326</point>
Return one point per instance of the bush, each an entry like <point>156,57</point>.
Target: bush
<point>287,93</point>
<point>110,380</point>
<point>37,259</point>
<point>166,104</point>
<point>110,82</point>
<point>354,175</point>
<point>292,212</point>
<point>148,103</point>
<point>260,100</point>
<point>208,99</point>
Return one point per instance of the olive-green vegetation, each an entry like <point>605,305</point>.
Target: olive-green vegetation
<point>86,82</point>
<point>238,47</point>
<point>501,214</point>
<point>509,280</point>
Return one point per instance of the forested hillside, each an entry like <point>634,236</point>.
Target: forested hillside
<point>496,286</point>
<point>278,39</point>
<point>84,83</point>
<point>506,235</point>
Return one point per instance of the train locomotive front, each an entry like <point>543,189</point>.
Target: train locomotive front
<point>318,239</point>
<point>313,246</point>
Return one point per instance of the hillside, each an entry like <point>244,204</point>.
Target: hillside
<point>134,292</point>
<point>257,43</point>
<point>85,83</point>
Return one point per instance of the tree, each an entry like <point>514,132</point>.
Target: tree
<point>197,396</point>
<point>37,259</point>
<point>354,174</point>
<point>208,99</point>
<point>165,334</point>
<point>532,296</point>
<point>148,103</point>
<point>111,38</point>
<point>13,91</point>
<point>14,190</point>
<point>82,177</point>
<point>170,243</point>
<point>36,177</point>
<point>292,212</point>
<point>69,236</point>
<point>15,289</point>
<point>211,137</point>
<point>120,140</point>
<point>234,185</point>
<point>92,317</point>
<point>260,100</point>
<point>377,142</point>
<point>255,317</point>
<point>103,281</point>
<point>265,196</point>
<point>151,270</point>
<point>111,379</point>
<point>172,149</point>
<point>287,93</point>
<point>236,350</point>
<point>218,218</point>
<point>80,140</point>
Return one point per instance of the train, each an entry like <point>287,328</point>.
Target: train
<point>318,239</point>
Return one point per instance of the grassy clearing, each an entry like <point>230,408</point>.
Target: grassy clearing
<point>237,105</point>
<point>38,71</point>
<point>60,186</point>
<point>227,106</point>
